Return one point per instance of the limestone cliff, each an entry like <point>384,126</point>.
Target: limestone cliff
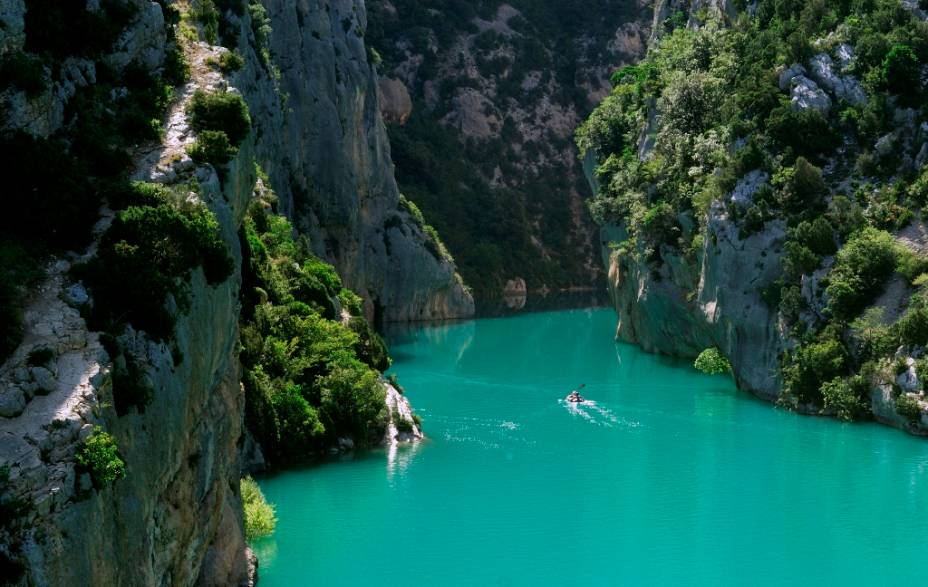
<point>497,89</point>
<point>320,137</point>
<point>176,517</point>
<point>690,276</point>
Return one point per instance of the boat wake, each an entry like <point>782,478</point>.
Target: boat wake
<point>485,432</point>
<point>596,414</point>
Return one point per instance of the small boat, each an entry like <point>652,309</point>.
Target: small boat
<point>574,396</point>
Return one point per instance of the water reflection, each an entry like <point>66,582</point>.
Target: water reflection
<point>399,456</point>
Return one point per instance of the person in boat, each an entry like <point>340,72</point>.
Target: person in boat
<point>574,397</point>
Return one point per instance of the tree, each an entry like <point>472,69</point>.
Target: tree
<point>901,71</point>
<point>712,362</point>
<point>848,397</point>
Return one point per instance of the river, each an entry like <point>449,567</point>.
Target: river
<point>668,477</point>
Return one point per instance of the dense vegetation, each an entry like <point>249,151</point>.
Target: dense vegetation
<point>502,204</point>
<point>311,360</point>
<point>842,178</point>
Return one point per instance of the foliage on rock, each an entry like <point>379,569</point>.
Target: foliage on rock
<point>309,378</point>
<point>712,362</point>
<point>99,455</point>
<point>260,517</point>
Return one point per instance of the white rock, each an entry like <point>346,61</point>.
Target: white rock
<point>845,88</point>
<point>807,94</point>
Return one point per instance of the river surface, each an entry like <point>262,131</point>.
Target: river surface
<point>669,478</point>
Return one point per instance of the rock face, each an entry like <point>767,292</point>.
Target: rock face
<point>176,516</point>
<point>321,139</point>
<point>683,308</point>
<point>507,84</point>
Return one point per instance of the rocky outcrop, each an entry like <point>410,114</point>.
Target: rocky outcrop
<point>680,307</point>
<point>395,103</point>
<point>321,139</point>
<point>176,516</point>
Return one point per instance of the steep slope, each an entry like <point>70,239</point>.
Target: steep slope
<point>322,141</point>
<point>760,179</point>
<point>495,90</point>
<point>121,394</point>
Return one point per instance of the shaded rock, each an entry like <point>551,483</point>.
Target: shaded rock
<point>76,295</point>
<point>12,401</point>
<point>395,103</point>
<point>845,87</point>
<point>790,73</point>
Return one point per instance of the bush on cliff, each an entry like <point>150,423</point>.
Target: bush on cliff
<point>99,455</point>
<point>861,269</point>
<point>260,518</point>
<point>220,111</point>
<point>809,366</point>
<point>849,397</point>
<point>309,378</point>
<point>147,254</point>
<point>712,362</point>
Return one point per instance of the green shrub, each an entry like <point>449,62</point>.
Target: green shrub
<point>146,254</point>
<point>99,455</point>
<point>804,132</point>
<point>908,408</point>
<point>231,61</point>
<point>712,362</point>
<point>808,367</point>
<point>910,264</point>
<point>370,348</point>
<point>261,27</point>
<point>912,327</point>
<point>802,188</point>
<point>259,515</point>
<point>220,111</point>
<point>849,397</point>
<point>293,344</point>
<point>353,401</point>
<point>798,260</point>
<point>213,147</point>
<point>901,72</point>
<point>861,269</point>
<point>205,12</point>
<point>176,67</point>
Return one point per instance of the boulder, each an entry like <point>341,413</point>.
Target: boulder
<point>845,87</point>
<point>806,94</point>
<point>395,103</point>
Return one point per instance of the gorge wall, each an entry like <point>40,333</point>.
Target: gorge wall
<point>706,238</point>
<point>176,516</point>
<point>486,96</point>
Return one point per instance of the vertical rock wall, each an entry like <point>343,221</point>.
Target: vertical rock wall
<point>321,139</point>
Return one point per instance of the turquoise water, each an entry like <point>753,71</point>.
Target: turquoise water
<point>671,478</point>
